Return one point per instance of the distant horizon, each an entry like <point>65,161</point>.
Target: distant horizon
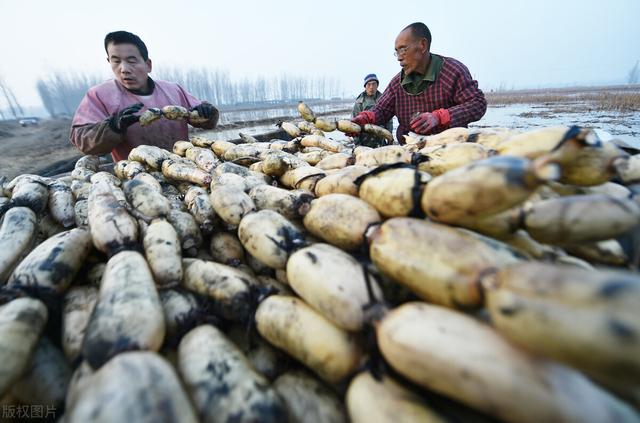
<point>40,112</point>
<point>507,87</point>
<point>504,45</point>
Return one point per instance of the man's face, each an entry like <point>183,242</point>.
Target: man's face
<point>410,51</point>
<point>371,87</point>
<point>128,66</point>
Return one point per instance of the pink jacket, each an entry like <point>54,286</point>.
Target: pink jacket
<point>90,131</point>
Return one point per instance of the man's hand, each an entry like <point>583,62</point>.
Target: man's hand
<point>205,110</point>
<point>362,119</point>
<point>425,123</point>
<point>125,118</point>
<point>365,117</point>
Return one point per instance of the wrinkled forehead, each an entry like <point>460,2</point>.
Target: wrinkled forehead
<point>405,37</point>
<point>123,50</point>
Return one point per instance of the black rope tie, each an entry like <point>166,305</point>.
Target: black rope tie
<point>573,132</point>
<point>373,311</point>
<point>416,196</point>
<point>367,281</point>
<point>382,168</point>
<point>417,158</point>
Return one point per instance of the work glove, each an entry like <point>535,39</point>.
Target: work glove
<point>365,117</point>
<point>120,121</point>
<point>362,119</point>
<point>425,123</point>
<point>204,110</point>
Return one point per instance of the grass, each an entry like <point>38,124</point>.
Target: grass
<point>622,98</point>
<point>621,102</point>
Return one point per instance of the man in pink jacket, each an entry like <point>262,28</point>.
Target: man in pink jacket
<point>106,119</point>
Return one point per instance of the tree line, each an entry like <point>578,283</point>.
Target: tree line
<point>61,92</point>
<point>10,101</point>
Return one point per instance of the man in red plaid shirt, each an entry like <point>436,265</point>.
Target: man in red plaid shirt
<point>430,94</point>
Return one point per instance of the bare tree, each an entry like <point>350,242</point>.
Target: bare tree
<point>15,101</point>
<point>634,74</point>
<point>261,89</point>
<point>10,99</point>
<point>46,97</point>
<point>285,88</point>
<point>62,92</point>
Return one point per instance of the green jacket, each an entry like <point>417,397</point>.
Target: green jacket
<point>365,102</point>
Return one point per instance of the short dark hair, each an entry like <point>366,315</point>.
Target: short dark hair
<point>420,30</point>
<point>124,37</point>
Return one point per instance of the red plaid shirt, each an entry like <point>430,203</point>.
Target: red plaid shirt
<point>453,89</point>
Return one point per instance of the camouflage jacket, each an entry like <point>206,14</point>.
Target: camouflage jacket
<point>365,102</point>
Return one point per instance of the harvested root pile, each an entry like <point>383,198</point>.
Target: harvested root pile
<point>461,275</point>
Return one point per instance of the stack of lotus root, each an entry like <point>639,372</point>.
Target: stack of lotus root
<point>467,276</point>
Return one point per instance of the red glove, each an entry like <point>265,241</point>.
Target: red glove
<point>365,117</point>
<point>362,119</point>
<point>425,123</point>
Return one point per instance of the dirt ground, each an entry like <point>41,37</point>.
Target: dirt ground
<point>41,149</point>
<point>33,148</point>
<point>45,147</point>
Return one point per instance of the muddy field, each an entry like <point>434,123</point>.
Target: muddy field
<point>623,125</point>
<point>46,147</point>
<point>33,148</point>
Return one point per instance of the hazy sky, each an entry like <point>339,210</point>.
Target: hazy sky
<point>508,44</point>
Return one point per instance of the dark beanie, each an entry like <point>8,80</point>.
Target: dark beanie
<point>371,77</point>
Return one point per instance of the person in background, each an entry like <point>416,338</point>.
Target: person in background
<point>106,119</point>
<point>365,101</point>
<point>430,93</point>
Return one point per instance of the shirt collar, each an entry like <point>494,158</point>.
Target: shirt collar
<point>151,84</point>
<point>363,95</point>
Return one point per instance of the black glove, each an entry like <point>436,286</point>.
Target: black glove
<point>205,110</point>
<point>125,118</point>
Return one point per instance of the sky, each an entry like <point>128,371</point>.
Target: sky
<point>505,44</point>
